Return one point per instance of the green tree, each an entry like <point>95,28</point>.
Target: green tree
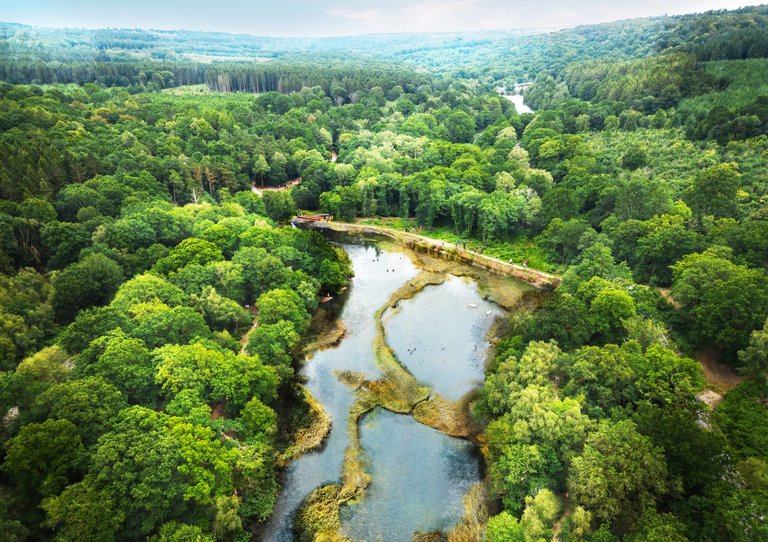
<point>641,198</point>
<point>721,302</point>
<point>275,344</point>
<point>619,475</point>
<point>181,532</point>
<point>504,527</point>
<point>146,288</point>
<point>741,417</point>
<point>259,422</point>
<point>609,310</point>
<point>91,281</point>
<point>660,248</point>
<point>91,404</point>
<point>279,205</point>
<point>280,304</point>
<point>130,233</point>
<point>260,271</point>
<point>221,236</point>
<point>665,378</point>
<point>538,364</point>
<point>45,457</point>
<point>84,513</point>
<point>91,324</point>
<point>330,202</point>
<point>217,376</point>
<point>227,524</point>
<point>49,365</point>
<point>221,312</point>
<point>189,251</point>
<point>251,202</point>
<point>605,375</point>
<point>157,324</point>
<point>125,362</point>
<point>260,168</point>
<point>713,191</point>
<point>64,241</point>
<point>460,127</point>
<point>559,202</point>
<point>151,469</point>
<point>563,318</point>
<point>655,527</point>
<point>256,481</point>
<point>522,470</point>
<point>539,516</point>
<point>754,358</point>
<point>695,456</point>
<point>596,263</point>
<point>74,197</point>
<point>635,157</point>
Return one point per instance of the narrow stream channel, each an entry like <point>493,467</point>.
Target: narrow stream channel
<point>419,475</point>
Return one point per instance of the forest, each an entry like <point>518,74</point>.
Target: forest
<point>156,305</point>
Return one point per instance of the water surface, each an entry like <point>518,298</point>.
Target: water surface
<point>378,274</point>
<point>518,101</point>
<point>419,478</point>
<point>440,335</point>
<point>419,474</point>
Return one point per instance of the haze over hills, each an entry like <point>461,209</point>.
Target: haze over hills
<point>138,42</point>
<point>521,52</point>
<point>308,18</point>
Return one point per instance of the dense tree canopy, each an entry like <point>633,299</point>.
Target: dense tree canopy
<point>154,304</point>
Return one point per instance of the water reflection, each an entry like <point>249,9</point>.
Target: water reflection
<point>419,474</point>
<point>440,336</point>
<point>419,479</point>
<point>377,275</point>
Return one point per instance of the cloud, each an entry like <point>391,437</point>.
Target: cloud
<point>354,14</point>
<point>420,16</point>
<point>446,15</point>
<point>344,17</point>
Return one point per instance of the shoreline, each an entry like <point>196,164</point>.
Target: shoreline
<point>435,247</point>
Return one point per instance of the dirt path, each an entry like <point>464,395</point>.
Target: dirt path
<point>440,248</point>
<point>247,335</point>
<point>666,293</point>
<point>720,376</point>
<point>260,190</point>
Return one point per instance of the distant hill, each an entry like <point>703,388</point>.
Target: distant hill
<point>513,55</point>
<point>78,44</point>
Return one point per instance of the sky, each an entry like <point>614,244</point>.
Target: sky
<point>340,17</point>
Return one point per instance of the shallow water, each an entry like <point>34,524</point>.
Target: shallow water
<point>425,471</point>
<point>419,478</point>
<point>371,286</point>
<point>519,103</point>
<point>440,336</point>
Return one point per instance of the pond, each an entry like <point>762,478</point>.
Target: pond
<point>440,336</point>
<point>419,479</point>
<point>419,475</point>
